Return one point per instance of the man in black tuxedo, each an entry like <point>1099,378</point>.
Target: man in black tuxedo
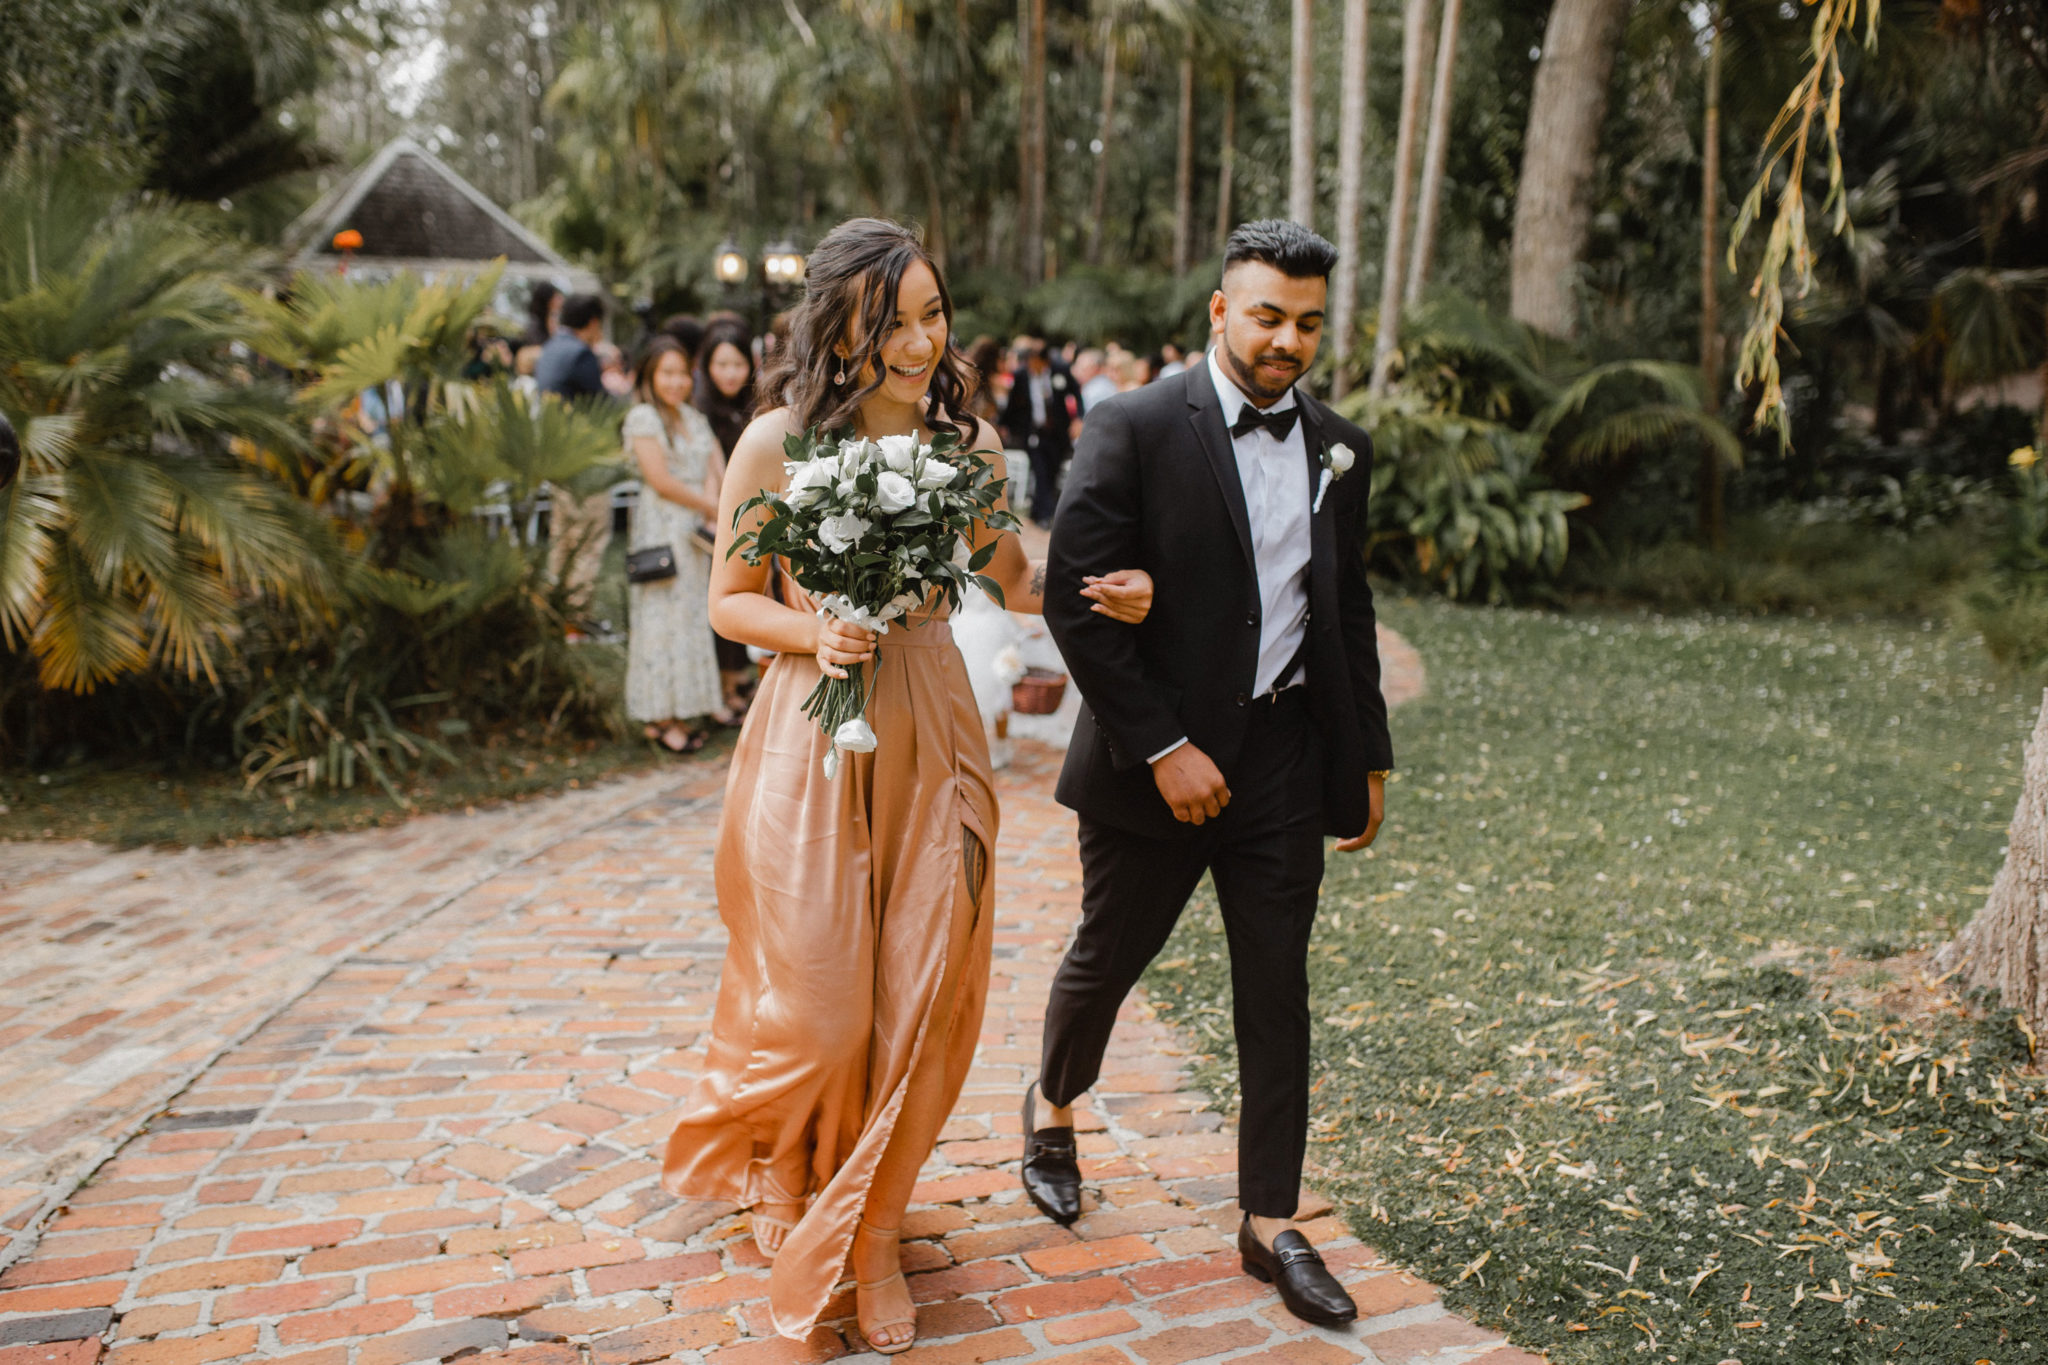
<point>1231,731</point>
<point>1038,419</point>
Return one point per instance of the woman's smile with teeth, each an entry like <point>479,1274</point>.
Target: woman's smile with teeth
<point>912,371</point>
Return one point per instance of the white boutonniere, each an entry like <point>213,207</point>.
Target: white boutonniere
<point>1337,462</point>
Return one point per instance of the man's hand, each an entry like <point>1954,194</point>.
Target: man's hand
<point>1191,784</point>
<point>1377,812</point>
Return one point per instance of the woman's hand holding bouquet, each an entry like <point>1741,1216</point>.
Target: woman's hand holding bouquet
<point>874,529</point>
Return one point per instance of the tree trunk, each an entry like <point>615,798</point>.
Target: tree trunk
<point>1098,208</point>
<point>1414,56</point>
<point>1184,167</point>
<point>1713,516</point>
<point>1226,171</point>
<point>1301,129</point>
<point>1437,155</point>
<point>1031,146</point>
<point>1552,208</point>
<point>1350,189</point>
<point>2005,946</point>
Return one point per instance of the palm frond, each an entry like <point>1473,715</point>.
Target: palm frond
<point>1634,430</point>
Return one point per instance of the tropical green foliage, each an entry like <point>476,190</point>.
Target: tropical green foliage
<point>1456,504</point>
<point>142,522</point>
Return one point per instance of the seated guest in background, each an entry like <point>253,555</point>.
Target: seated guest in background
<point>1172,360</point>
<point>1131,371</point>
<point>671,668</point>
<point>1091,372</point>
<point>579,528</point>
<point>724,384</point>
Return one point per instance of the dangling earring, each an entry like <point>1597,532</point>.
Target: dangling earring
<point>840,378</point>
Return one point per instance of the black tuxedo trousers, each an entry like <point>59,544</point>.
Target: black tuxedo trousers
<point>1265,853</point>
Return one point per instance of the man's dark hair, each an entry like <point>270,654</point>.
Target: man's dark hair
<point>10,452</point>
<point>580,310</point>
<point>1288,247</point>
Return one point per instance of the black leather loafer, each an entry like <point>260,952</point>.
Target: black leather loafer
<point>1052,1166</point>
<point>1296,1269</point>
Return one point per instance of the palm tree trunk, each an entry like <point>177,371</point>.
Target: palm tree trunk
<point>1552,207</point>
<point>1713,514</point>
<point>1031,146</point>
<point>1226,172</point>
<point>1301,132</point>
<point>1415,45</point>
<point>1184,166</point>
<point>1098,208</point>
<point>1350,189</point>
<point>2004,947</point>
<point>1437,154</point>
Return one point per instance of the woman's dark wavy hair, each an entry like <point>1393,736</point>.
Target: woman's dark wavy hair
<point>853,275</point>
<point>709,400</point>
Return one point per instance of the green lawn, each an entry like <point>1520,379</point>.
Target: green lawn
<point>1603,1045</point>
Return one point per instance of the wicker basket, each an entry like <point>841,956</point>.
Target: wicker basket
<point>1038,692</point>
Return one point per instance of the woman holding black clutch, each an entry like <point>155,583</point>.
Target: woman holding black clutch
<point>671,670</point>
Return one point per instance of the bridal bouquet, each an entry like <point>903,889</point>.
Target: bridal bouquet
<point>873,529</point>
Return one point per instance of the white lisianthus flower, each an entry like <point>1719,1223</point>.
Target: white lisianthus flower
<point>856,737</point>
<point>893,493</point>
<point>1340,459</point>
<point>842,532</point>
<point>899,452</point>
<point>936,474</point>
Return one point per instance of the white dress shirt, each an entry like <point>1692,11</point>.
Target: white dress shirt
<point>1277,497</point>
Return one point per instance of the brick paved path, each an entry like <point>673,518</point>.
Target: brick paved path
<point>444,1147</point>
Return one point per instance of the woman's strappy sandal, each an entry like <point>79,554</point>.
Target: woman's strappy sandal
<point>763,1222</point>
<point>862,1288</point>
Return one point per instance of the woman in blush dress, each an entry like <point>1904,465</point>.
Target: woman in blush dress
<point>858,906</point>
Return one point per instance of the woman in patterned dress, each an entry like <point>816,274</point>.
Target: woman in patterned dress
<point>671,666</point>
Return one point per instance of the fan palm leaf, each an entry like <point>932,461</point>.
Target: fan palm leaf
<point>137,530</point>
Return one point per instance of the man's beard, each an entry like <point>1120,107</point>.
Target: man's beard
<point>1247,375</point>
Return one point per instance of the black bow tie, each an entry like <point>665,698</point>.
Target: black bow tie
<point>1279,421</point>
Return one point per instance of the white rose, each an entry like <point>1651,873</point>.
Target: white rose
<point>842,532</point>
<point>808,482</point>
<point>937,474</point>
<point>1341,459</point>
<point>856,737</point>
<point>893,493</point>
<point>899,452</point>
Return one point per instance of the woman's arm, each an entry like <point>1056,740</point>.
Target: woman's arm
<point>654,474</point>
<point>740,607</point>
<point>1125,595</point>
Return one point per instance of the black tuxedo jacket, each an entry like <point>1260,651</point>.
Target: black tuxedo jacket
<point>1065,406</point>
<point>1154,486</point>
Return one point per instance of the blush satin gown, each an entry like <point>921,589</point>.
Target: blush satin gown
<point>858,910</point>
